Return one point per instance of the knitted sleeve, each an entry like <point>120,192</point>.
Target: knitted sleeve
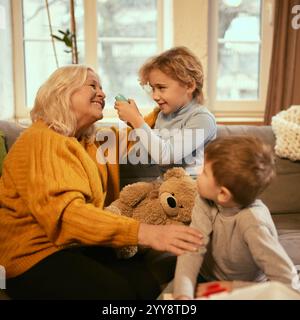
<point>151,117</point>
<point>66,198</point>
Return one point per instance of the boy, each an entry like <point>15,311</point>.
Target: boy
<point>241,241</point>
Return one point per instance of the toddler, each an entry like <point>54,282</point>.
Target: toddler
<point>240,238</point>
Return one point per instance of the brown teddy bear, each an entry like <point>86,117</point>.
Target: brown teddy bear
<point>158,202</point>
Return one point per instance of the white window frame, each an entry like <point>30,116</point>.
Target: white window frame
<point>240,108</point>
<point>7,79</point>
<point>165,21</point>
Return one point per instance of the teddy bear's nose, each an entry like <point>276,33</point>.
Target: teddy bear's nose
<point>171,202</point>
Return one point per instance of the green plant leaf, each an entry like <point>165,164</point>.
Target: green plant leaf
<point>56,37</point>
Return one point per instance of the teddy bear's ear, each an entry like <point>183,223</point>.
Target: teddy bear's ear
<point>176,172</point>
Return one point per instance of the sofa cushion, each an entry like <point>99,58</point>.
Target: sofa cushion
<point>2,150</point>
<point>11,131</point>
<point>283,194</point>
<point>288,227</point>
<point>131,173</point>
<point>263,132</point>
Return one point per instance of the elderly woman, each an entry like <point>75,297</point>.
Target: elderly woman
<point>55,235</point>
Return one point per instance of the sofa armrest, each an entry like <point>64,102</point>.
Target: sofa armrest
<point>11,132</point>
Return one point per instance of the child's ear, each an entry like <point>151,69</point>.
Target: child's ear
<point>224,196</point>
<point>191,86</point>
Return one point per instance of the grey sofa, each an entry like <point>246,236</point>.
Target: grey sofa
<point>282,196</point>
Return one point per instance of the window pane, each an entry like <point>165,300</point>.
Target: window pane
<point>39,55</point>
<point>239,45</point>
<point>127,18</point>
<point>239,19</point>
<point>238,73</point>
<point>6,79</point>
<point>40,63</point>
<point>129,29</point>
<point>133,21</point>
<point>119,64</point>
<point>36,18</point>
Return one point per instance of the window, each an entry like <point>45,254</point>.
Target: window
<point>115,37</point>
<point>127,36</point>
<point>6,62</point>
<point>39,57</point>
<point>239,53</point>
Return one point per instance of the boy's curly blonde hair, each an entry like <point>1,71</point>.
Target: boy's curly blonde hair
<point>180,64</point>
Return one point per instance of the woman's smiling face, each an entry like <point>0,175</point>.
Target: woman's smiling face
<point>88,102</point>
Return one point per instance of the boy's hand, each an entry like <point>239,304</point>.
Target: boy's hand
<point>128,112</point>
<point>209,288</point>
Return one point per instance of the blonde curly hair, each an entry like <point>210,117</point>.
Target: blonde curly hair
<point>180,64</point>
<point>53,101</point>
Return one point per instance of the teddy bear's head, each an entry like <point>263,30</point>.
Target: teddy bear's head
<point>166,201</point>
<point>177,195</point>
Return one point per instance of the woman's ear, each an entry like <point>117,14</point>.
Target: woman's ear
<point>224,196</point>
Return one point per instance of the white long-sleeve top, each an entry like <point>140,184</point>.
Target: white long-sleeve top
<point>240,245</point>
<point>179,138</point>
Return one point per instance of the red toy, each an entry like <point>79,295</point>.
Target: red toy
<point>213,288</point>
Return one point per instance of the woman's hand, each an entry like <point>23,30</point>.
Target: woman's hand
<point>176,239</point>
<point>209,288</point>
<point>128,112</point>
